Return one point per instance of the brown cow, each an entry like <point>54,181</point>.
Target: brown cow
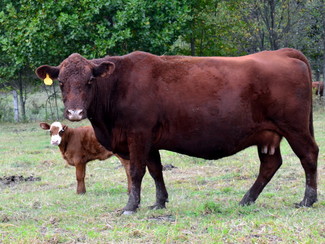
<point>318,86</point>
<point>78,146</point>
<point>208,107</point>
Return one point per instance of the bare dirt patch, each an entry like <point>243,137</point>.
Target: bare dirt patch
<point>168,167</point>
<point>14,179</point>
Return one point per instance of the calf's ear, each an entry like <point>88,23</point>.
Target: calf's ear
<point>104,69</point>
<point>52,71</point>
<point>44,126</point>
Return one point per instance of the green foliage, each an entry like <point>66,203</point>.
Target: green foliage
<point>309,34</point>
<point>39,32</point>
<point>211,29</point>
<point>45,32</point>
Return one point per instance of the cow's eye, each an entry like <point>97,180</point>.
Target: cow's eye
<point>90,81</point>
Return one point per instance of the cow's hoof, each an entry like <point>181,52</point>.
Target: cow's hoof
<point>246,202</point>
<point>304,204</point>
<point>309,199</point>
<point>128,212</point>
<point>157,206</point>
<point>307,202</point>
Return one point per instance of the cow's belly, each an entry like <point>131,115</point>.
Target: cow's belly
<point>213,145</point>
<point>217,140</point>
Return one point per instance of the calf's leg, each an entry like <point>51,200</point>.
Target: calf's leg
<point>126,165</point>
<point>155,170</point>
<point>269,165</point>
<point>80,175</point>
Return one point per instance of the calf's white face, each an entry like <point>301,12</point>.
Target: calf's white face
<point>56,130</point>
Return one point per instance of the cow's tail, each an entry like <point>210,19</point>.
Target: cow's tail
<point>302,57</point>
<point>293,53</point>
<point>311,124</point>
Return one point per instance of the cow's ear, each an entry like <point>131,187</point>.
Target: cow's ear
<point>44,126</point>
<point>52,71</point>
<point>104,69</point>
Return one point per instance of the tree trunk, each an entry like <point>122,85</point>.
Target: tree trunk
<point>192,46</point>
<point>56,102</point>
<point>317,75</point>
<point>22,98</point>
<point>324,66</point>
<point>16,108</point>
<point>323,14</point>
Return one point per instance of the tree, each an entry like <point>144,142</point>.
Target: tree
<point>309,35</point>
<point>274,24</point>
<point>39,32</point>
<point>270,22</point>
<point>212,29</point>
<point>46,32</point>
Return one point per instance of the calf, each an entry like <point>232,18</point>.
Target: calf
<point>78,146</point>
<point>318,86</point>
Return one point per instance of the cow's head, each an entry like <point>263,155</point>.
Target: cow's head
<point>76,76</point>
<point>56,130</point>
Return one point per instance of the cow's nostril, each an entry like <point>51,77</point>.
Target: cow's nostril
<point>75,114</point>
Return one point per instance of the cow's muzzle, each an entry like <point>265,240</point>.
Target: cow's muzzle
<point>75,114</point>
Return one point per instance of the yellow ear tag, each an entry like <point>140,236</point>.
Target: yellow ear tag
<point>48,81</point>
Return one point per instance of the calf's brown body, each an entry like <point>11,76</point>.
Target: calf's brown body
<point>318,86</point>
<point>79,146</point>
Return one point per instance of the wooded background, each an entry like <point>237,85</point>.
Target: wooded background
<point>36,32</point>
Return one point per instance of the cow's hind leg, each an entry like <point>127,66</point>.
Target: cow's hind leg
<point>155,170</point>
<point>306,149</point>
<point>270,163</point>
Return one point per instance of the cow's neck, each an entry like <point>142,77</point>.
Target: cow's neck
<point>105,95</point>
<point>101,112</point>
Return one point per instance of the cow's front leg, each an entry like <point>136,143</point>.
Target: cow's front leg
<point>80,175</point>
<point>155,170</point>
<point>138,154</point>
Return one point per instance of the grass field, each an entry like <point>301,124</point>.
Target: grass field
<point>203,198</point>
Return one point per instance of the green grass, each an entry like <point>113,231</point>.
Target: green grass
<point>203,198</point>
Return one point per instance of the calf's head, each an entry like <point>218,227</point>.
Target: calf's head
<point>56,130</point>
<point>76,76</point>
